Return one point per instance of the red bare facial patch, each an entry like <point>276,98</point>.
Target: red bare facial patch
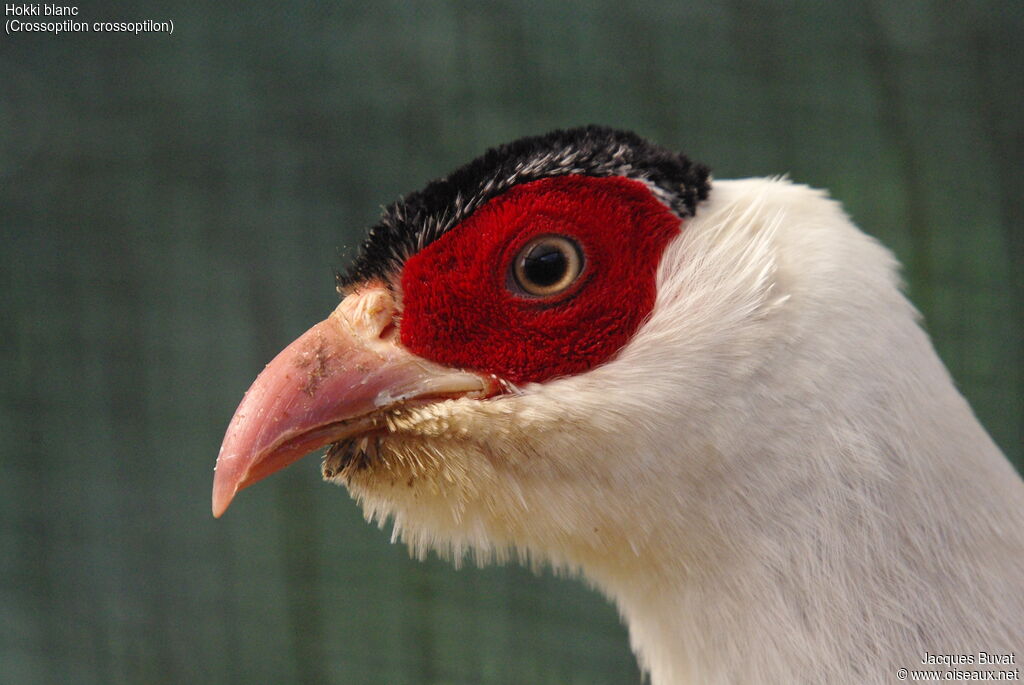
<point>459,309</point>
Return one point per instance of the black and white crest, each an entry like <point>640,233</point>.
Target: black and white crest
<point>414,222</point>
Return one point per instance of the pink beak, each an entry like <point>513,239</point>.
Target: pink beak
<point>330,384</point>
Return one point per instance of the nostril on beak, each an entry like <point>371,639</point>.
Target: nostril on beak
<point>389,330</point>
<point>371,310</point>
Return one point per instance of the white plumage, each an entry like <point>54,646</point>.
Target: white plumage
<point>776,481</point>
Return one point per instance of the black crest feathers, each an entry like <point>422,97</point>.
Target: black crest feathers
<point>414,222</point>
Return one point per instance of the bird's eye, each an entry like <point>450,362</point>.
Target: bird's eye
<point>547,266</point>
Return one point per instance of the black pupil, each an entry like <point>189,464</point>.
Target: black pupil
<point>545,265</point>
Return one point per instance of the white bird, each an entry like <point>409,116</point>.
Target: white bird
<point>710,398</point>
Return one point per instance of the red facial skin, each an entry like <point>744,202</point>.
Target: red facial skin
<point>459,309</point>
<point>463,311</point>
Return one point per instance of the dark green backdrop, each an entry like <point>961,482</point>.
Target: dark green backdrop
<point>172,209</point>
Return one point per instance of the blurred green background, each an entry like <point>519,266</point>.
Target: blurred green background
<point>172,210</point>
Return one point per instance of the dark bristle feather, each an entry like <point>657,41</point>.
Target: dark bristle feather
<point>413,222</point>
